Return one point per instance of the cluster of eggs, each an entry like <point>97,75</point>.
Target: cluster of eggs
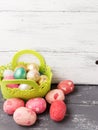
<point>56,99</point>
<point>29,72</point>
<point>25,113</point>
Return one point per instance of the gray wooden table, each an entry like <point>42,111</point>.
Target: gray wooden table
<point>82,113</point>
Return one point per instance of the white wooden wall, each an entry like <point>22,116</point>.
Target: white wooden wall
<point>65,32</point>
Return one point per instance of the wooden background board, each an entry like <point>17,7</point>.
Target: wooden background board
<point>65,32</point>
<point>82,113</point>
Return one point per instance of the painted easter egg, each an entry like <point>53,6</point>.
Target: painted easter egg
<point>33,75</point>
<point>32,66</point>
<point>8,72</point>
<point>67,86</point>
<point>58,110</point>
<point>24,116</point>
<point>54,94</point>
<point>43,78</point>
<point>24,87</point>
<point>37,104</point>
<point>11,85</point>
<point>10,105</point>
<point>20,73</point>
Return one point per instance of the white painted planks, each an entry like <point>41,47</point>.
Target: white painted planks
<point>49,5</point>
<point>64,31</point>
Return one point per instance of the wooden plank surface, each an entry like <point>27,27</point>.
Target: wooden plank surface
<point>79,67</point>
<point>82,113</point>
<point>64,31</point>
<point>49,5</point>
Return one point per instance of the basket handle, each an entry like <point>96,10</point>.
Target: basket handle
<point>32,83</point>
<point>34,53</point>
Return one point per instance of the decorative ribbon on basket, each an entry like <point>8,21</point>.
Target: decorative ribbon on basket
<point>37,90</point>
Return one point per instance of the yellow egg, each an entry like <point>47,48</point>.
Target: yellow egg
<point>32,66</point>
<point>43,78</point>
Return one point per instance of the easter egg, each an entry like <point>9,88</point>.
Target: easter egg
<point>11,85</point>
<point>8,72</point>
<point>67,86</point>
<point>20,73</point>
<point>24,116</point>
<point>24,87</point>
<point>37,104</point>
<point>43,78</point>
<point>10,105</point>
<point>53,95</point>
<point>32,66</point>
<point>57,110</point>
<point>33,75</point>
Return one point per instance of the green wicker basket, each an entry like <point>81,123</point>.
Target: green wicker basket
<point>37,90</point>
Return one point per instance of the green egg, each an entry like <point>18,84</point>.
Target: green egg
<point>20,73</point>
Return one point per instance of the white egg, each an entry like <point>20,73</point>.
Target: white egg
<point>8,72</point>
<point>24,87</point>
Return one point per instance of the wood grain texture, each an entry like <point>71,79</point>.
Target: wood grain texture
<point>79,67</point>
<point>81,115</point>
<point>49,5</point>
<point>72,32</point>
<point>64,31</point>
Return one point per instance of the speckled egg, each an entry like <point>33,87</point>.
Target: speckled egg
<point>24,87</point>
<point>37,104</point>
<point>67,86</point>
<point>43,78</point>
<point>32,66</point>
<point>10,105</point>
<point>24,116</point>
<point>55,94</point>
<point>33,75</point>
<point>57,110</point>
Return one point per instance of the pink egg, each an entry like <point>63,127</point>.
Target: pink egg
<point>8,72</point>
<point>67,86</point>
<point>10,105</point>
<point>11,85</point>
<point>55,94</point>
<point>24,116</point>
<point>58,110</point>
<point>37,104</point>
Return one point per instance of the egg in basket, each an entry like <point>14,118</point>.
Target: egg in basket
<point>25,80</point>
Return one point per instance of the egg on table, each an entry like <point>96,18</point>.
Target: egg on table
<point>10,105</point>
<point>24,116</point>
<point>58,110</point>
<point>37,104</point>
<point>53,95</point>
<point>67,86</point>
